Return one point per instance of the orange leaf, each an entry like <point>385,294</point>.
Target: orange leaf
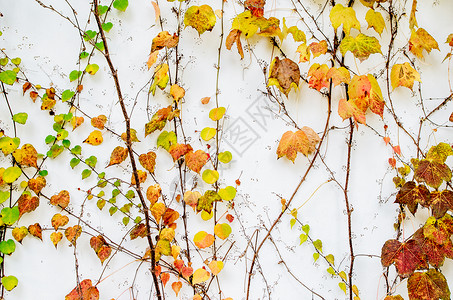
<point>318,48</point>
<point>62,199</point>
<point>177,92</point>
<point>176,286</point>
<point>26,156</point>
<point>318,78</point>
<point>303,141</point>
<point>178,150</point>
<point>35,230</point>
<point>158,210</point>
<point>156,10</point>
<point>73,233</point>
<point>119,154</point>
<point>203,239</point>
<point>27,203</point>
<point>59,220</point>
<point>138,231</point>
<point>99,122</point>
<point>37,184</point>
<point>85,290</point>
<point>196,160</point>
<point>216,266</point>
<point>153,193</point>
<point>222,230</point>
<point>164,39</point>
<point>148,161</point>
<point>234,37</point>
<point>142,175</point>
<point>164,277</point>
<point>421,40</point>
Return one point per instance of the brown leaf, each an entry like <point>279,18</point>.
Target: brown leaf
<point>434,252</point>
<point>433,173</point>
<point>27,203</point>
<point>285,74</point>
<point>59,220</point>
<point>412,195</point>
<point>35,230</point>
<point>34,95</point>
<point>62,199</point>
<point>26,87</point>
<point>99,121</point>
<point>170,216</point>
<point>234,37</point>
<point>441,202</point>
<point>138,231</point>
<point>119,154</point>
<point>196,160</point>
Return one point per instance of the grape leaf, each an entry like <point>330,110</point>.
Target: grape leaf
<point>432,172</point>
<point>10,215</point>
<point>338,75</point>
<point>439,153</point>
<point>138,231</point>
<point>434,252</point>
<point>56,237</point>
<point>73,233</point>
<point>438,230</point>
<point>37,184</point>
<point>404,75</point>
<point>344,15</point>
<point>407,256</point>
<point>318,76</point>
<point>304,141</point>
<point>120,5</point>
<point>362,46</point>
<point>441,202</point>
<point>412,195</point>
<point>202,18</point>
<point>430,285</point>
<point>19,233</point>
<point>351,108</point>
<point>284,74</point>
<point>421,40</point>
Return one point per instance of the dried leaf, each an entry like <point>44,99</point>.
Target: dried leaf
<point>196,160</point>
<point>84,291</point>
<point>148,161</point>
<point>164,39</point>
<point>26,156</point>
<point>284,74</point>
<point>62,199</point>
<point>59,220</point>
<point>234,37</point>
<point>119,154</point>
<point>35,230</point>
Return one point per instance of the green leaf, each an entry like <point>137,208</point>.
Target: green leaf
<point>126,221</point>
<point>7,247</point>
<point>316,256</point>
<point>67,117</point>
<point>112,210</point>
<point>208,133</point>
<point>100,46</point>
<point>89,34</point>
<point>306,228</point>
<point>10,215</point>
<point>91,161</point>
<point>4,61</point>
<point>227,193</point>
<point>8,145</point>
<point>137,220</point>
<point>292,222</point>
<point>225,157</point>
<point>343,275</point>
<point>4,195</point>
<point>8,77</point>
<point>20,118</point>
<point>303,238</point>
<point>77,150</point>
<point>86,173</point>
<point>43,173</point>
<point>11,174</point>
<point>50,139</point>
<point>115,192</point>
<point>16,61</point>
<point>84,54</point>
<point>74,75</point>
<point>67,95</point>
<point>120,5</point>
<point>130,194</point>
<point>102,9</point>
<point>74,162</point>
<point>54,151</point>
<point>66,143</point>
<point>166,139</point>
<point>318,245</point>
<point>107,26</point>
<point>210,176</point>
<point>62,134</point>
<point>92,69</point>
<point>9,282</point>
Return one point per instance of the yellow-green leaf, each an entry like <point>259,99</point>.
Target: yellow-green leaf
<point>11,174</point>
<point>208,133</point>
<point>210,176</point>
<point>361,46</point>
<point>225,157</point>
<point>227,193</point>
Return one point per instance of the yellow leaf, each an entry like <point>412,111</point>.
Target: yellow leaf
<point>217,113</point>
<point>158,210</point>
<point>161,78</point>
<point>26,156</point>
<point>95,138</point>
<point>200,275</point>
<point>216,266</point>
<point>152,59</point>
<point>202,18</point>
<point>222,230</point>
<point>142,175</point>
<point>164,39</point>
<point>119,154</point>
<point>375,20</point>
<point>304,53</point>
<point>361,46</point>
<point>177,92</point>
<point>404,75</point>
<point>344,15</point>
<point>421,40</point>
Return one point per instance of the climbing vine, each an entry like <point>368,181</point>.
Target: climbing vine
<point>139,164</point>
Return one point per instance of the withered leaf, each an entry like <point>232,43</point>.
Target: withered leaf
<point>412,195</point>
<point>62,199</point>
<point>119,154</point>
<point>284,74</point>
<point>196,160</point>
<point>148,161</point>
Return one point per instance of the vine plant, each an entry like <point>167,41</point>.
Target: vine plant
<point>182,232</point>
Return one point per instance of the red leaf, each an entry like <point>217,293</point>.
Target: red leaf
<point>412,195</point>
<point>164,277</point>
<point>27,203</point>
<point>407,256</point>
<point>441,202</point>
<point>430,285</point>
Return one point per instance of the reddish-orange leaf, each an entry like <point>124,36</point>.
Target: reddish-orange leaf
<point>304,52</point>
<point>84,291</point>
<point>397,297</point>
<point>230,218</point>
<point>33,95</point>
<point>176,286</point>
<point>178,150</point>
<point>203,239</point>
<point>148,161</point>
<point>397,149</point>
<point>37,184</point>
<point>407,256</point>
<point>27,203</point>
<point>152,58</point>
<point>138,231</point>
<point>56,237</point>
<point>430,285</point>
<point>100,247</point>
<point>256,7</point>
<point>196,160</point>
<point>99,122</point>
<point>234,37</point>
<point>179,264</point>
<point>62,199</point>
<point>318,48</point>
<point>351,108</point>
<point>438,230</point>
<point>303,141</point>
<point>339,75</point>
<point>26,87</point>
<point>411,195</point>
<point>392,162</point>
<point>318,76</point>
<point>170,216</point>
<point>59,220</point>
<point>35,230</point>
<point>153,193</point>
<point>73,233</point>
<point>142,175</point>
<point>222,230</point>
<point>434,252</point>
<point>164,277</point>
<point>104,253</point>
<point>205,100</point>
<point>26,156</point>
<point>386,140</point>
<point>119,154</point>
<point>186,272</point>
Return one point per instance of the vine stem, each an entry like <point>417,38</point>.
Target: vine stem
<point>129,148</point>
<point>348,206</point>
<point>268,234</point>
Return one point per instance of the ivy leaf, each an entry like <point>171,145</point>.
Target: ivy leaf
<point>61,199</point>
<point>91,161</point>
<point>438,230</point>
<point>202,18</point>
<point>344,15</point>
<point>10,215</point>
<point>148,161</point>
<point>222,230</point>
<point>404,75</point>
<point>56,237</point>
<point>432,172</point>
<point>158,120</point>
<point>54,151</point>
<point>37,184</point>
<point>256,7</point>
<point>100,247</point>
<point>26,204</point>
<point>284,74</point>
<point>164,39</point>
<point>203,239</point>
<point>375,20</point>
<point>133,134</point>
<point>118,155</point>
<point>441,202</point>
<point>318,76</point>
<point>246,23</point>
<point>9,282</point>
<point>412,195</point>
<point>158,210</point>
<point>20,118</point>
<point>428,285</point>
<point>8,77</point>
<point>120,5</point>
<point>196,160</point>
<point>303,141</point>
<point>107,26</point>
<point>142,175</point>
<point>26,156</point>
<point>35,230</point>
<point>225,157</point>
<point>206,201</point>
<point>191,198</point>
<point>177,92</point>
<point>7,247</point>
<point>85,290</point>
<point>439,153</point>
<point>176,287</point>
<point>407,256</point>
<point>421,40</point>
<point>59,220</point>
<point>361,46</point>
